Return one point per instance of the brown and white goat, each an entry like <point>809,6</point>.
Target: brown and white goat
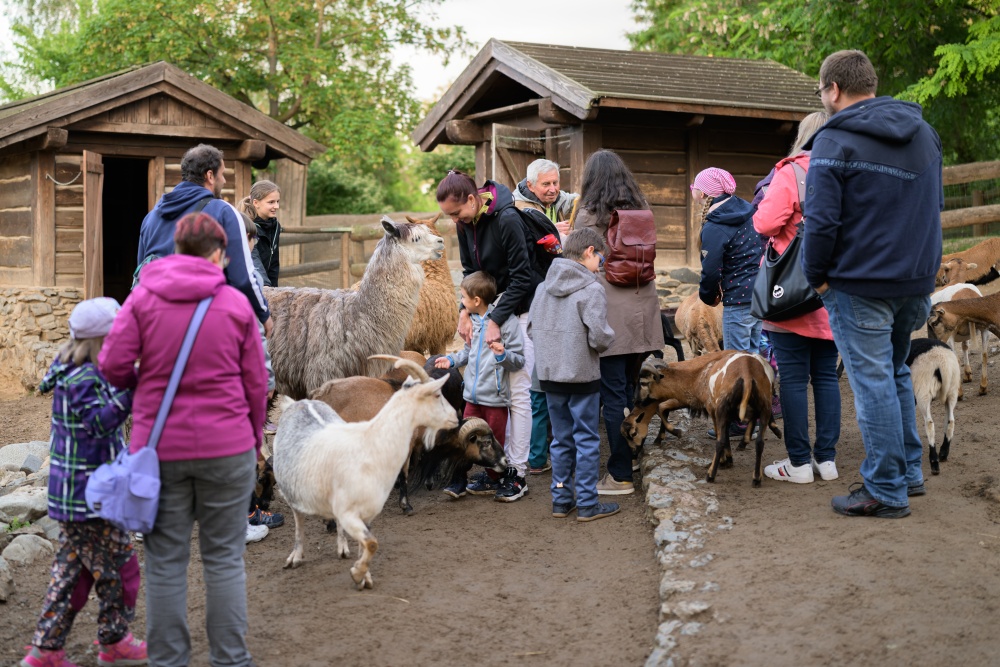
<point>699,324</point>
<point>965,333</point>
<point>986,257</point>
<point>935,375</point>
<point>728,386</point>
<point>950,317</point>
<point>955,271</point>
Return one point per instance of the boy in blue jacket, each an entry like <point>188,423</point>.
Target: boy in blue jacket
<point>487,383</point>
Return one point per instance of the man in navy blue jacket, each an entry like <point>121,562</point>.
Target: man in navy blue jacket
<point>202,171</point>
<point>872,247</point>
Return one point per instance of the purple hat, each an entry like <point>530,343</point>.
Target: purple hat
<point>93,318</point>
<point>714,181</point>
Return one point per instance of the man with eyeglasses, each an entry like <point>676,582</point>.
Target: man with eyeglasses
<point>872,248</point>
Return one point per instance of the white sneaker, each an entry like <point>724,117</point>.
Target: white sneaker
<point>827,470</point>
<point>784,471</point>
<point>256,533</point>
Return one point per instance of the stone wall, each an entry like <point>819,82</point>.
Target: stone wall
<point>674,285</point>
<point>34,323</point>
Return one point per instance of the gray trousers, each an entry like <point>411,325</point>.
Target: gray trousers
<point>214,493</point>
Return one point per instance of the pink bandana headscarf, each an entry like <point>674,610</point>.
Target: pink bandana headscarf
<point>714,181</point>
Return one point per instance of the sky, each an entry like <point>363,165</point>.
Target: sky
<point>591,23</point>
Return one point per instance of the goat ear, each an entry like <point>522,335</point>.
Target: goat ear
<point>972,265</point>
<point>390,227</point>
<point>626,413</point>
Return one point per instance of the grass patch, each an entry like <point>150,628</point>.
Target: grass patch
<point>958,245</point>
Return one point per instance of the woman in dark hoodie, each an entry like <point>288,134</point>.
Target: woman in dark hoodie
<point>491,238</point>
<point>262,207</point>
<point>730,257</point>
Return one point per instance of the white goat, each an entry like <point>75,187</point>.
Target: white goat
<point>329,468</point>
<point>935,374</point>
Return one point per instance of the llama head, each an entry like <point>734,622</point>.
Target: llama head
<point>415,239</point>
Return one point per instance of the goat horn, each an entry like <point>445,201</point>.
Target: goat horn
<point>470,425</point>
<point>412,368</point>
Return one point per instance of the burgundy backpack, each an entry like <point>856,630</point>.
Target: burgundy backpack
<point>632,248</point>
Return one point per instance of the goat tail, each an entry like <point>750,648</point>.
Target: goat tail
<point>748,390</point>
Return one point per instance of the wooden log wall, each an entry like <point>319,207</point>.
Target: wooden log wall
<point>16,220</point>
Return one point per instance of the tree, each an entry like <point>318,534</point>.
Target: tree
<point>320,66</point>
<point>935,51</point>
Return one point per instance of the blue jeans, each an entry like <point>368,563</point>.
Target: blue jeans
<point>575,449</point>
<point>740,329</point>
<point>214,493</point>
<point>540,427</point>
<point>873,336</point>
<point>801,360</point>
<point>616,394</point>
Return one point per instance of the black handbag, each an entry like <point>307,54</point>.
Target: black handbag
<point>781,291</point>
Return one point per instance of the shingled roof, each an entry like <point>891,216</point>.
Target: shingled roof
<point>580,80</point>
<point>62,107</point>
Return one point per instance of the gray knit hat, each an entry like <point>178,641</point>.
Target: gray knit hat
<point>93,318</point>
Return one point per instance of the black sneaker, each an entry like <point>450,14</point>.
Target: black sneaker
<point>456,488</point>
<point>261,518</point>
<point>916,490</point>
<point>598,511</point>
<point>511,488</point>
<point>483,485</point>
<point>562,510</point>
<point>861,503</point>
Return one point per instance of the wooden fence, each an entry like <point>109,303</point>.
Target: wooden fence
<point>979,214</point>
<point>343,244</point>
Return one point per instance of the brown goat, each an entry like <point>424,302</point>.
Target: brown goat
<point>728,386</point>
<point>700,325</point>
<point>964,333</point>
<point>955,270</point>
<point>986,257</point>
<point>436,320</point>
<point>949,317</point>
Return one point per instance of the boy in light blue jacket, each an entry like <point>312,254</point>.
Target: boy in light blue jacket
<point>487,383</point>
<point>568,324</point>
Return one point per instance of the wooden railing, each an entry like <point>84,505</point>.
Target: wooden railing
<point>978,215</point>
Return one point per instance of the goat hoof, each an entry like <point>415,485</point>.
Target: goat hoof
<point>710,479</point>
<point>756,483</point>
<point>935,469</point>
<point>408,511</point>
<point>728,463</point>
<point>292,562</point>
<point>359,578</point>
<point>982,391</point>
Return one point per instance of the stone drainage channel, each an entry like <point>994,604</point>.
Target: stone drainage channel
<point>685,512</point>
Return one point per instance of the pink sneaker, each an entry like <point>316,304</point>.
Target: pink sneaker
<point>38,657</point>
<point>129,651</point>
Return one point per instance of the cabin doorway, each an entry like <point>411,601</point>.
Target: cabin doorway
<point>125,202</point>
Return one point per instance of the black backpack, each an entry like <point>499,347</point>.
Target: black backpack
<point>536,227</point>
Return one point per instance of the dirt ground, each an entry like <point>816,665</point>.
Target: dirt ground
<point>478,582</point>
<point>459,582</point>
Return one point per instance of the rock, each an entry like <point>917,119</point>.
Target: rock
<point>49,526</point>
<point>685,275</point>
<point>25,504</point>
<point>6,581</point>
<point>24,549</point>
<point>31,464</point>
<point>5,537</point>
<point>669,586</point>
<point>10,467</point>
<point>17,452</point>
<point>30,529</point>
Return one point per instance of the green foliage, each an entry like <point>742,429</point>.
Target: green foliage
<point>433,166</point>
<point>943,53</point>
<point>16,524</point>
<point>320,66</point>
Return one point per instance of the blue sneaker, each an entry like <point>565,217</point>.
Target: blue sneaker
<point>562,510</point>
<point>598,511</point>
<point>483,485</point>
<point>456,488</point>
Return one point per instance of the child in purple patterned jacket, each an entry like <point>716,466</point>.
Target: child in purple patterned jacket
<point>87,418</point>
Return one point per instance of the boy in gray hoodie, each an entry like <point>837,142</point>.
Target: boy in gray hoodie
<point>487,383</point>
<point>568,324</point>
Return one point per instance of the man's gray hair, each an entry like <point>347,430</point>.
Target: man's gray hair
<point>539,167</point>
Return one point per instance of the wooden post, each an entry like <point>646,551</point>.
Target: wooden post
<point>345,260</point>
<point>43,205</point>
<point>156,180</point>
<point>694,148</point>
<point>290,177</point>
<point>586,140</point>
<point>92,167</point>
<point>978,200</point>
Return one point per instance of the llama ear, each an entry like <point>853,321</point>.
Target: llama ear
<point>390,226</point>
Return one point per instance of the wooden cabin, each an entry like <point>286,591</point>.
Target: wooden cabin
<point>81,166</point>
<point>668,117</point>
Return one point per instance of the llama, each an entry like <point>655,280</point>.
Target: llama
<point>324,334</point>
<point>436,319</point>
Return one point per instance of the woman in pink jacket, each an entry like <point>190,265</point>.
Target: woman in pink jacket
<point>803,345</point>
<point>208,447</point>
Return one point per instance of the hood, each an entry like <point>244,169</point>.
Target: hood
<point>567,276</point>
<point>502,197</point>
<point>182,278</point>
<point>268,224</point>
<point>883,118</point>
<point>733,211</point>
<point>181,200</point>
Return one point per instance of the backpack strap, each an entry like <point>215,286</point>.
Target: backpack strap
<point>200,206</point>
<point>800,181</point>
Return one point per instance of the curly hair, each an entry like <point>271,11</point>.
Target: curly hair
<point>608,185</point>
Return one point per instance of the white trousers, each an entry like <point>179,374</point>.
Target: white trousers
<point>519,424</point>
